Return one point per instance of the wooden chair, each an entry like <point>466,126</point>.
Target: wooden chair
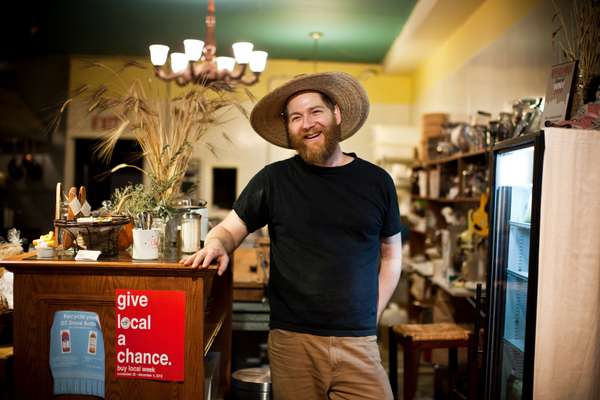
<point>417,337</point>
<point>6,372</point>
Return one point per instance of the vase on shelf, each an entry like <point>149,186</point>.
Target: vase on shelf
<point>146,244</point>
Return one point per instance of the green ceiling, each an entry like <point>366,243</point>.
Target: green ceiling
<point>354,30</point>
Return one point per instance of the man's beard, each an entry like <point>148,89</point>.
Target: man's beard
<point>320,154</point>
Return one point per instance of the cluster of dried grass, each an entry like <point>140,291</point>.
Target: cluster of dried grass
<point>577,36</point>
<point>166,130</point>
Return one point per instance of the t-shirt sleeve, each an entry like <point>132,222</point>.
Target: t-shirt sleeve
<point>391,222</point>
<point>252,204</point>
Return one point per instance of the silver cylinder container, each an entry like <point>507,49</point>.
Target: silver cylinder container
<point>252,384</point>
<point>190,232</point>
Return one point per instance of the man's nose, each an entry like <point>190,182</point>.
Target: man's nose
<point>307,122</point>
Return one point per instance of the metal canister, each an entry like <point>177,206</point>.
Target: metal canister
<point>252,384</point>
<point>190,232</point>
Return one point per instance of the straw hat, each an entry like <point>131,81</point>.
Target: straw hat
<point>267,116</point>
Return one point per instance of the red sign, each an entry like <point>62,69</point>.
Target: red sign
<point>149,334</point>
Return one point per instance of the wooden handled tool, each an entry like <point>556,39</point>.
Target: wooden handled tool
<point>72,195</point>
<point>82,196</point>
<point>66,236</point>
<point>57,208</point>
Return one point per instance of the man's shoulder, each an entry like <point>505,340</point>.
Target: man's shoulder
<point>272,171</point>
<point>372,169</point>
<point>282,163</point>
<point>279,166</point>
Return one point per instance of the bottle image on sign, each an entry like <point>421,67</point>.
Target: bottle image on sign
<point>65,338</point>
<point>92,339</point>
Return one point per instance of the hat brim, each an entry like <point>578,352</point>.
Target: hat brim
<point>267,120</point>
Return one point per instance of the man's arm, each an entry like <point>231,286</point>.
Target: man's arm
<point>389,271</point>
<point>221,241</point>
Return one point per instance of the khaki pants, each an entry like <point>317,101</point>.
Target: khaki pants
<point>311,367</point>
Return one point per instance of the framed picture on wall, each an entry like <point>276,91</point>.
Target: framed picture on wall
<point>559,92</point>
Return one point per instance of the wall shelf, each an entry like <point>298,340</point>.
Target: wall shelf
<point>446,182</point>
<point>446,200</point>
<point>454,157</point>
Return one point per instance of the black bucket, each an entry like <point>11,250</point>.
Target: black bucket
<point>252,384</point>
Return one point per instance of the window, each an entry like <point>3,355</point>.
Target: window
<point>224,183</point>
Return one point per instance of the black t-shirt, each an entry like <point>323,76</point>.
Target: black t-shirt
<point>325,226</point>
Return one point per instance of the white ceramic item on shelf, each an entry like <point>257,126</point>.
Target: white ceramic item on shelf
<point>145,244</point>
<point>46,252</point>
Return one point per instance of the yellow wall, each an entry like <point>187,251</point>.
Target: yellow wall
<point>382,88</point>
<point>484,26</point>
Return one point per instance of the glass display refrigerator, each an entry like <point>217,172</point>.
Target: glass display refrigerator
<point>539,319</point>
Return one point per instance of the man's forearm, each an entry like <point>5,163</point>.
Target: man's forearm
<point>389,275</point>
<point>224,236</point>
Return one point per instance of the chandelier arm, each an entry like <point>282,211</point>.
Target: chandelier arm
<point>164,75</point>
<point>240,72</point>
<point>252,80</point>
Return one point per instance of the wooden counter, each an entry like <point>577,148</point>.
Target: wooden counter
<point>42,287</point>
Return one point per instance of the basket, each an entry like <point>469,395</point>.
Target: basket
<point>101,236</point>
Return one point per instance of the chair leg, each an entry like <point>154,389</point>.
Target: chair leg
<point>411,369</point>
<point>472,368</point>
<point>452,368</point>
<point>393,361</point>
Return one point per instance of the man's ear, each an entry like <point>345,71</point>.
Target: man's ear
<point>338,114</point>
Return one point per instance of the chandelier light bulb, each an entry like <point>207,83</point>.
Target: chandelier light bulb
<point>158,54</point>
<point>258,61</point>
<point>242,52</point>
<point>193,49</point>
<point>179,62</point>
<point>225,63</point>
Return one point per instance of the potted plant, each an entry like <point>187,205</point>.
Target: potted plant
<point>166,129</point>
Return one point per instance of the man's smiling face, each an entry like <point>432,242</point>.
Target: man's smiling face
<point>313,127</point>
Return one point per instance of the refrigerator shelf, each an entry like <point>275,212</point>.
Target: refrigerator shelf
<point>519,344</point>
<point>520,274</point>
<point>523,225</point>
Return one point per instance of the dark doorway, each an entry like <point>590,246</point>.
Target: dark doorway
<point>93,173</point>
<point>224,182</point>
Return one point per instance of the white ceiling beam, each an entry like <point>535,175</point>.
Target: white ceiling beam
<point>429,25</point>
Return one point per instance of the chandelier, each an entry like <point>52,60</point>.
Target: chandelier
<point>200,65</point>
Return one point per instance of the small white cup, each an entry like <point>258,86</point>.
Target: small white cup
<point>46,252</point>
<point>145,244</point>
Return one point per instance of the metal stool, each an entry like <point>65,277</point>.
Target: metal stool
<point>417,337</point>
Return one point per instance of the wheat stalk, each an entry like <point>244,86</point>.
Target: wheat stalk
<point>167,133</point>
<point>579,40</point>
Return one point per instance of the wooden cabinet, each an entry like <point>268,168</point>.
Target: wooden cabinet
<point>44,287</point>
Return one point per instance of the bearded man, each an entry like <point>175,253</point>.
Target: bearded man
<point>334,228</point>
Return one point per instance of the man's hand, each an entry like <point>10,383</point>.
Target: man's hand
<point>213,251</point>
<point>220,242</point>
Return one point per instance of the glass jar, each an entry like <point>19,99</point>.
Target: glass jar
<point>160,224</point>
<point>506,127</point>
<point>190,232</point>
